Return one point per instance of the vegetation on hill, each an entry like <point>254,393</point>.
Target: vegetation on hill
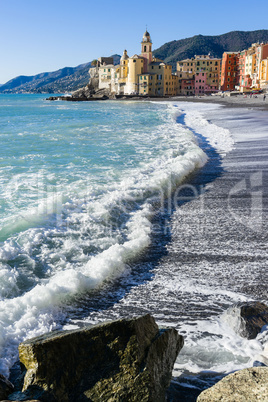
<point>67,79</point>
<point>235,41</point>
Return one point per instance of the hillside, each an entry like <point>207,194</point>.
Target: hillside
<point>176,50</point>
<point>67,79</point>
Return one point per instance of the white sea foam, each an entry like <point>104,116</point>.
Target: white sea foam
<point>112,218</point>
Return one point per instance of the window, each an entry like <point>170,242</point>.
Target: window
<point>109,70</point>
<point>134,61</point>
<point>144,49</point>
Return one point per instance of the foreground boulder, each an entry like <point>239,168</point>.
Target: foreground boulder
<point>248,385</point>
<point>124,360</point>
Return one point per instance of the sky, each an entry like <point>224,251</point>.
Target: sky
<point>39,36</point>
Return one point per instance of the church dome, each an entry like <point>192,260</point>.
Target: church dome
<point>146,37</point>
<point>125,56</point>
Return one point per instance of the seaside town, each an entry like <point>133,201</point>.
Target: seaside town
<point>145,75</point>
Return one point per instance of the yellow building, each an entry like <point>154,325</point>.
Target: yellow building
<point>186,66</point>
<point>140,74</point>
<point>135,68</point>
<point>156,78</point>
<point>264,74</point>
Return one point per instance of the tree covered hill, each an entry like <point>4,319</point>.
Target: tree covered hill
<point>235,41</point>
<point>67,79</point>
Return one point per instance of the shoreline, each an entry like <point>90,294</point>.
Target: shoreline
<point>191,255</point>
<point>237,101</point>
<point>228,101</point>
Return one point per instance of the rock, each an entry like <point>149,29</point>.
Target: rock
<point>254,316</point>
<point>85,92</point>
<point>124,360</point>
<point>6,387</point>
<point>248,385</point>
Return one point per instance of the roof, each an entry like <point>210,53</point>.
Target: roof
<point>146,37</point>
<point>136,57</point>
<point>157,63</point>
<point>107,66</point>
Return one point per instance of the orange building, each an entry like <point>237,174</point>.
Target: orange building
<point>229,71</point>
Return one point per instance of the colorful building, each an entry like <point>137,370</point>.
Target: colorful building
<point>139,75</point>
<point>264,74</point>
<point>229,71</point>
<point>204,70</point>
<point>251,70</point>
<point>145,75</point>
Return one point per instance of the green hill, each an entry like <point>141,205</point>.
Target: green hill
<point>235,41</point>
<point>66,79</point>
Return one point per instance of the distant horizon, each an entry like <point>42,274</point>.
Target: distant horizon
<point>45,36</point>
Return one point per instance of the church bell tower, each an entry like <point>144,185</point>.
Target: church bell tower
<point>146,50</point>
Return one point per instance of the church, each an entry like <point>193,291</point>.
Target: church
<point>142,75</point>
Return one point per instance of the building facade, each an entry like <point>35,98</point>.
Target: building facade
<point>138,75</point>
<point>229,71</point>
<point>199,75</point>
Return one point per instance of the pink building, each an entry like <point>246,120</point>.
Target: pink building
<point>201,86</point>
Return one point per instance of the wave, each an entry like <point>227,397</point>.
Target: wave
<point>71,243</point>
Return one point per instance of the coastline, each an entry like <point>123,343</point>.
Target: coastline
<point>219,238</point>
<point>239,101</point>
<point>210,259</point>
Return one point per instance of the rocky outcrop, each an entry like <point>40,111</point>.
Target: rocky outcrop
<point>251,317</point>
<point>88,92</point>
<point>5,387</point>
<point>254,316</point>
<point>124,360</point>
<point>248,385</point>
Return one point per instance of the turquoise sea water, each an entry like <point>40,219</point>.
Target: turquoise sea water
<point>79,186</point>
<point>88,211</point>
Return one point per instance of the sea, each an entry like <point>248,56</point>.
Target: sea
<point>112,209</point>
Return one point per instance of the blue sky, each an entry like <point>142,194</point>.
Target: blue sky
<point>38,36</point>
